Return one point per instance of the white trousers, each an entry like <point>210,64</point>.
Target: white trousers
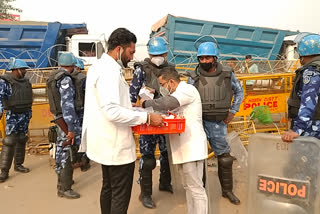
<point>191,174</point>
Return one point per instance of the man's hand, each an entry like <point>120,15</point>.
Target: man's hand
<point>151,90</point>
<point>229,118</point>
<point>141,101</point>
<point>156,119</point>
<point>70,137</point>
<point>289,136</point>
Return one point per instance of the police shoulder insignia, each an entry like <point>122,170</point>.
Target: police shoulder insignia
<point>307,76</point>
<point>65,83</point>
<point>306,79</point>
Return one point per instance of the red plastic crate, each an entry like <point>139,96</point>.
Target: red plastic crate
<point>171,126</point>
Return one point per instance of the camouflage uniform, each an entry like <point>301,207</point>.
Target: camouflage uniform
<point>147,145</point>
<point>308,93</point>
<point>16,131</point>
<point>305,125</point>
<point>15,122</point>
<point>67,91</point>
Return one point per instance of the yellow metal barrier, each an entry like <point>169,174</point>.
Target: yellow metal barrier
<point>270,89</point>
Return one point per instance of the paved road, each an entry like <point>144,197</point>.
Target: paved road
<point>35,192</point>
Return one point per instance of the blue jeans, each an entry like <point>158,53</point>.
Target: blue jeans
<point>216,133</point>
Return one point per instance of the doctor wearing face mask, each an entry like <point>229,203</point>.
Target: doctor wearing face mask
<point>146,75</point>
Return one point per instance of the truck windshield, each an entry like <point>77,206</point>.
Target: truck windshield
<point>87,49</point>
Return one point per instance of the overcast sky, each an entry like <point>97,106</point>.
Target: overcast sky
<point>103,16</point>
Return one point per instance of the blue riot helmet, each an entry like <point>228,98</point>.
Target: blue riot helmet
<point>66,59</point>
<point>17,64</point>
<point>207,46</point>
<point>208,49</point>
<point>79,63</point>
<point>309,45</point>
<point>157,46</point>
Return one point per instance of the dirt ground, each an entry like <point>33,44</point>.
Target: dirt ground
<point>35,192</point>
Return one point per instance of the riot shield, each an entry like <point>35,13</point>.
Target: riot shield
<point>238,150</point>
<point>283,178</point>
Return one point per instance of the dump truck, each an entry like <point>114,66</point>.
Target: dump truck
<point>234,40</point>
<point>272,51</point>
<point>40,43</point>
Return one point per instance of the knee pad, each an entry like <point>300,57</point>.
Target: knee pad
<point>225,160</point>
<point>149,162</point>
<point>23,138</point>
<point>10,140</point>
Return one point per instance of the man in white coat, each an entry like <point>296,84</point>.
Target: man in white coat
<point>189,149</point>
<point>108,117</point>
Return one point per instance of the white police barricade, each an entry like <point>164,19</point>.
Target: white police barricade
<point>283,178</point>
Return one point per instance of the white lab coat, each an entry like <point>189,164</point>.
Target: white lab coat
<point>107,136</point>
<point>192,144</point>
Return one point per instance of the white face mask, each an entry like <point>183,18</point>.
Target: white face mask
<point>119,61</point>
<point>164,91</point>
<point>157,60</point>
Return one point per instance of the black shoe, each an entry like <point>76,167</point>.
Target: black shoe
<point>4,176</point>
<point>166,188</point>
<point>232,198</point>
<point>147,201</point>
<point>69,194</point>
<point>20,168</point>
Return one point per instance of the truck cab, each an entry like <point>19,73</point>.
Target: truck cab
<point>87,47</point>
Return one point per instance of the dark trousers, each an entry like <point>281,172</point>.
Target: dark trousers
<point>116,188</point>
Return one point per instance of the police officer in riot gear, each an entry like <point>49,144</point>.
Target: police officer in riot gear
<point>303,103</point>
<point>16,99</point>
<point>217,86</point>
<point>304,112</point>
<point>66,98</point>
<point>82,160</point>
<point>146,75</point>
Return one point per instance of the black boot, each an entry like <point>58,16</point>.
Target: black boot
<point>19,154</point>
<point>165,177</point>
<point>146,189</point>
<point>65,182</point>
<point>4,175</point>
<point>225,162</point>
<point>6,160</point>
<point>85,163</point>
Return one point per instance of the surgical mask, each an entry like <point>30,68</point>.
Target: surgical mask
<point>119,61</point>
<point>164,91</point>
<point>157,60</point>
<point>206,66</point>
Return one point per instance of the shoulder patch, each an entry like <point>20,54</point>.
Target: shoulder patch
<point>65,82</point>
<point>306,79</point>
<point>307,74</point>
